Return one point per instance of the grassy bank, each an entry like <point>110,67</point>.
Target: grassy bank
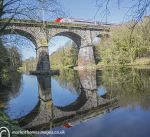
<point>141,63</point>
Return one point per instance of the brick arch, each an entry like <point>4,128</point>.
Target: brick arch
<point>21,33</point>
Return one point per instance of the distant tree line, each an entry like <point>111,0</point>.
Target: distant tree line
<point>28,65</point>
<point>65,56</point>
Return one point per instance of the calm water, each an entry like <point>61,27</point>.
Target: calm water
<point>98,103</point>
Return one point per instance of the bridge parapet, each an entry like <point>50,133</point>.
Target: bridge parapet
<point>23,22</point>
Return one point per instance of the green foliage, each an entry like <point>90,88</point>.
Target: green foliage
<point>15,58</point>
<point>4,63</point>
<point>11,125</point>
<point>9,60</point>
<point>65,57</point>
<point>28,65</point>
<point>69,79</point>
<point>131,85</point>
<point>124,46</point>
<point>4,60</point>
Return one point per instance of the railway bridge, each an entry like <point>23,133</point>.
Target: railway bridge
<point>39,33</point>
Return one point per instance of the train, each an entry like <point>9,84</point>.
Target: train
<point>76,21</point>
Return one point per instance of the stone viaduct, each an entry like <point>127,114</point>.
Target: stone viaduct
<point>88,104</point>
<point>39,33</point>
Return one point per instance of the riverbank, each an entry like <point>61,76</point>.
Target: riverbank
<point>99,67</point>
<point>12,125</point>
<point>138,63</point>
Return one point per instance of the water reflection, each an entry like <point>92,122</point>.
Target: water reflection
<point>12,91</point>
<point>88,79</point>
<point>131,85</point>
<point>76,96</point>
<point>102,91</point>
<point>25,100</point>
<point>44,87</point>
<point>69,79</point>
<point>75,103</point>
<point>65,88</point>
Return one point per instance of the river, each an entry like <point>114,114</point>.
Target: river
<point>96,103</point>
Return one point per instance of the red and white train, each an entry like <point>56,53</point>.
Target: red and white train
<point>76,21</point>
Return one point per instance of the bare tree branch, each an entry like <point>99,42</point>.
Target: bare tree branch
<point>137,10</point>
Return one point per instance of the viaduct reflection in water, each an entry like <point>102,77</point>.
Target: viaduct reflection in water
<point>46,114</point>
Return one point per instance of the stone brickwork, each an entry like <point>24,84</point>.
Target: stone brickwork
<point>40,34</point>
<point>86,56</point>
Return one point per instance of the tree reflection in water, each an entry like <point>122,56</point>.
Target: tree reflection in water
<point>69,79</point>
<point>97,92</point>
<point>131,85</point>
<point>12,89</point>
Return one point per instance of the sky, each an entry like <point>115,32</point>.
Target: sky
<point>87,9</point>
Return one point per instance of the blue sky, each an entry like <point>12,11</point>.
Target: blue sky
<point>87,9</point>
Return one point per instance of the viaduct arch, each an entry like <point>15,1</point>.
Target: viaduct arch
<point>39,33</point>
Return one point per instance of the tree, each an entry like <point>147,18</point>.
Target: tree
<point>65,56</point>
<point>28,9</point>
<point>137,9</point>
<point>122,48</point>
<point>4,64</point>
<point>15,58</point>
<point>28,65</point>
